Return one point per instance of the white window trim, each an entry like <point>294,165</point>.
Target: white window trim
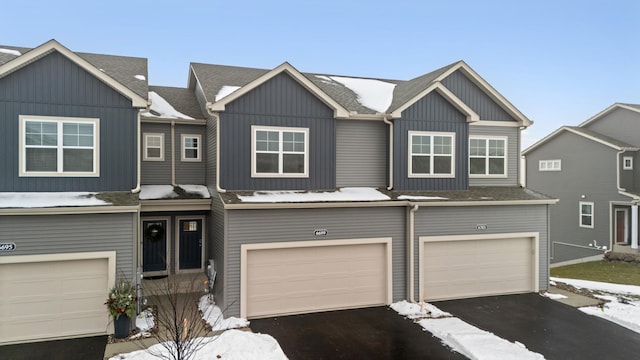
<point>146,146</point>
<point>184,148</point>
<point>431,133</point>
<point>580,214</point>
<point>624,163</point>
<point>255,174</point>
<point>487,157</point>
<point>547,163</point>
<point>22,164</point>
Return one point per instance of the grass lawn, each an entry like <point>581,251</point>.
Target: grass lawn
<point>618,272</point>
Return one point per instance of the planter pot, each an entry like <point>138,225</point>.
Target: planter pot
<point>122,325</point>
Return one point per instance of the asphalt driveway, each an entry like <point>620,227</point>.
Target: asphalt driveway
<point>90,348</point>
<point>546,326</point>
<point>371,333</point>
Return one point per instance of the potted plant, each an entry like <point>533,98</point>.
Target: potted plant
<point>121,304</point>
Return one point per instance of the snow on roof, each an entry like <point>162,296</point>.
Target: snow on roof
<point>412,197</point>
<point>10,52</point>
<point>48,199</point>
<point>161,108</point>
<point>140,77</point>
<point>343,194</point>
<point>157,192</point>
<point>374,94</point>
<point>225,91</point>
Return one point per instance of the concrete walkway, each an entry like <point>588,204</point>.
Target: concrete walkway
<point>573,299</point>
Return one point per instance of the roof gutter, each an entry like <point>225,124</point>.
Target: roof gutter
<point>390,123</point>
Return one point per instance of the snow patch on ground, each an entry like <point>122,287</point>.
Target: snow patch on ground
<point>600,286</point>
<point>162,109</point>
<point>48,199</point>
<point>225,91</point>
<point>462,337</point>
<point>622,311</point>
<point>230,345</point>
<point>553,296</point>
<point>374,94</point>
<point>212,314</point>
<point>343,194</point>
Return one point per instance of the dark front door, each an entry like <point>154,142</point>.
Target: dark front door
<point>154,246</point>
<point>620,226</point>
<point>190,244</point>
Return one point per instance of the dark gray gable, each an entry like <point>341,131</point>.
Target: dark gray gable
<point>475,98</point>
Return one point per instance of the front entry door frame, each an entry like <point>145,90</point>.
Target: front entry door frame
<point>177,244</point>
<point>626,226</point>
<point>167,221</point>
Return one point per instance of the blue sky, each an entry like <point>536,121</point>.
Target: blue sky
<point>559,62</point>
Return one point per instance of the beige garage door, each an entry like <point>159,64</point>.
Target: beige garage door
<point>458,267</point>
<point>53,299</point>
<point>301,278</point>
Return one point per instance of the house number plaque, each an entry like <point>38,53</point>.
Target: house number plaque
<point>481,226</point>
<point>7,246</point>
<point>320,232</point>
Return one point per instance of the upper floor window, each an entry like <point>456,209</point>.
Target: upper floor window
<point>431,154</point>
<point>550,165</point>
<point>279,152</point>
<point>153,147</point>
<point>58,146</point>
<point>586,214</point>
<point>487,157</point>
<point>191,147</point>
<point>627,163</point>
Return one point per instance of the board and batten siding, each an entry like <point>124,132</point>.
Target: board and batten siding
<point>512,152</point>
<point>432,113</point>
<point>467,91</point>
<point>281,101</point>
<point>55,86</point>
<point>55,234</point>
<point>361,149</point>
<point>462,220</point>
<point>265,226</point>
<point>190,172</point>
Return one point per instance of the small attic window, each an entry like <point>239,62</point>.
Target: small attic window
<point>627,163</point>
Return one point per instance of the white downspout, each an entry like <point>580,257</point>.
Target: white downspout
<point>173,153</point>
<point>217,119</point>
<point>390,123</point>
<point>410,253</point>
<point>138,155</point>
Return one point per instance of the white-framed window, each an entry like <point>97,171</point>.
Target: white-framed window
<point>627,163</point>
<point>550,165</point>
<point>153,147</point>
<point>279,151</point>
<point>431,154</point>
<point>586,214</point>
<point>59,146</point>
<point>191,147</point>
<point>487,156</point>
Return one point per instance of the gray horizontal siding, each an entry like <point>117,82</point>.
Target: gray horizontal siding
<point>431,113</point>
<point>280,101</point>
<point>361,148</point>
<point>55,86</point>
<point>216,247</point>
<point>156,172</point>
<point>513,154</point>
<point>499,219</point>
<point>190,172</point>
<point>262,226</point>
<point>55,234</point>
<point>621,124</point>
<point>475,98</point>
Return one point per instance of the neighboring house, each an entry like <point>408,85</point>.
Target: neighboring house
<point>333,192</point>
<point>591,169</point>
<point>68,217</point>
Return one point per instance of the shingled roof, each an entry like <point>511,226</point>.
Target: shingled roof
<point>182,99</point>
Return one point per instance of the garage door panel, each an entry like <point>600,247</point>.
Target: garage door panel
<point>315,278</point>
<point>44,299</point>
<point>477,267</point>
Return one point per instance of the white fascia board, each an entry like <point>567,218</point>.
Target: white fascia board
<point>136,100</point>
<point>492,92</point>
<point>606,111</point>
<point>339,111</point>
<point>79,210</point>
<point>160,120</point>
<point>472,116</point>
